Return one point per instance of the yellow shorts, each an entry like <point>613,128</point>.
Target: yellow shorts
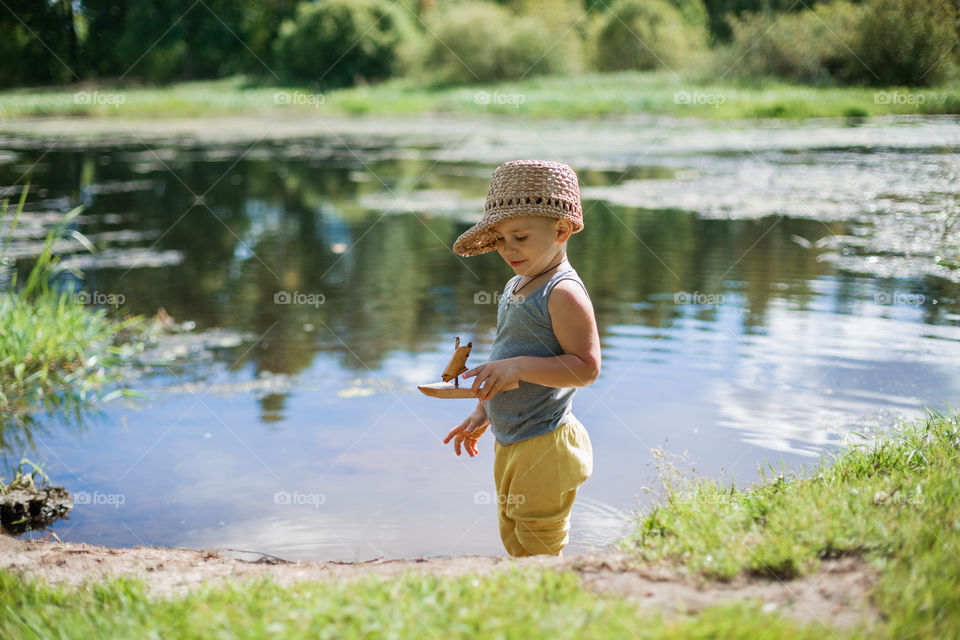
<point>537,481</point>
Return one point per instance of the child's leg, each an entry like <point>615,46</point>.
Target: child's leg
<point>537,484</point>
<point>508,534</point>
<point>543,528</point>
<point>508,526</point>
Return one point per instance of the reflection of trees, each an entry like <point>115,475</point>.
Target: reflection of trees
<point>628,256</point>
<point>771,265</point>
<point>398,286</point>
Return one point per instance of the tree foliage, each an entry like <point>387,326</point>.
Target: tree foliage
<point>339,42</point>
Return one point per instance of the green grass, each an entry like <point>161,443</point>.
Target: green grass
<point>895,504</point>
<point>516,604</point>
<point>55,352</point>
<point>51,344</point>
<point>20,480</point>
<point>588,95</point>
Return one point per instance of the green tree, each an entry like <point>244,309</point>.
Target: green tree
<point>38,43</point>
<point>335,43</point>
<point>106,20</point>
<point>180,40</point>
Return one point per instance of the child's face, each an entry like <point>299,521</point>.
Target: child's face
<point>530,244</point>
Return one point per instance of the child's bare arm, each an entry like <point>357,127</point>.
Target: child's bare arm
<point>575,326</point>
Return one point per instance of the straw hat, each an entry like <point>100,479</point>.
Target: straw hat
<point>524,188</point>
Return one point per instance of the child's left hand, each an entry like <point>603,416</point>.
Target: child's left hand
<point>495,376</point>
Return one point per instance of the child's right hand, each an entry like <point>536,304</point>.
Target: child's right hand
<point>469,431</point>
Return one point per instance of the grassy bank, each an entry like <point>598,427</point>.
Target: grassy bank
<point>610,94</point>
<point>56,351</point>
<point>519,604</point>
<point>894,505</point>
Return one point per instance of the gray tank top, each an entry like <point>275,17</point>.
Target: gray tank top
<point>524,329</point>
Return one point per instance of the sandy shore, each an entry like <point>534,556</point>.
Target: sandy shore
<point>836,595</point>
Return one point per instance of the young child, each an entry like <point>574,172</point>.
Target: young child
<point>547,342</point>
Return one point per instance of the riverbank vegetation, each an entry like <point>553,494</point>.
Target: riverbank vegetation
<point>608,94</point>
<point>893,503</point>
<point>56,351</point>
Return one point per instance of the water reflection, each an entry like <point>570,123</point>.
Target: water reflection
<point>737,340</point>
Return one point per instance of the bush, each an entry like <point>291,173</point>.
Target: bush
<point>694,12</point>
<point>649,34</point>
<point>884,42</point>
<point>720,12</point>
<point>483,42</point>
<point>905,42</point>
<point>336,43</point>
<point>807,46</point>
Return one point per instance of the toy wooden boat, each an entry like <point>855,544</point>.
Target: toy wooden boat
<point>456,366</point>
<point>445,390</point>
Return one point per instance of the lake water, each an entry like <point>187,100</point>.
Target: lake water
<point>762,291</point>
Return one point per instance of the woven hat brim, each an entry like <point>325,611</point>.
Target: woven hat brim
<point>480,239</point>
